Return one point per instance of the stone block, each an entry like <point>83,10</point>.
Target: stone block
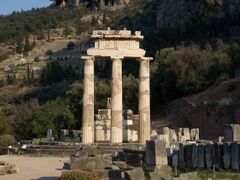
<point>156,153</point>
<point>188,176</point>
<point>194,158</point>
<point>99,127</point>
<point>110,174</point>
<point>209,156</point>
<point>188,155</point>
<point>200,156</point>
<point>99,123</point>
<point>226,156</point>
<point>90,163</point>
<point>194,134</point>
<point>64,134</point>
<point>108,124</point>
<point>130,135</point>
<point>135,174</point>
<point>154,134</point>
<point>108,135</point>
<point>74,134</point>
<point>183,135</point>
<point>135,117</point>
<point>128,122</point>
<point>181,155</point>
<point>6,168</point>
<point>175,158</point>
<point>164,137</point>
<point>163,172</point>
<point>131,158</point>
<point>234,156</point>
<point>173,136</point>
<point>217,160</point>
<point>231,132</point>
<point>100,135</point>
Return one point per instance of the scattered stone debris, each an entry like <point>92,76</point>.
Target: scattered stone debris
<point>135,174</point>
<point>6,168</point>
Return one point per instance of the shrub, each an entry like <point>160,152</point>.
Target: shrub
<point>6,140</point>
<point>79,175</point>
<point>49,52</point>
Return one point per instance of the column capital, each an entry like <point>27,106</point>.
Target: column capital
<point>88,58</point>
<point>117,58</point>
<point>145,59</point>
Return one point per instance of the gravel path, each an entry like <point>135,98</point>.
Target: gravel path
<point>31,168</point>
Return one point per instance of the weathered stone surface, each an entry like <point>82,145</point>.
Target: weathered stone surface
<point>110,174</point>
<point>135,174</point>
<point>117,117</point>
<point>88,101</point>
<point>6,168</point>
<point>188,155</point>
<point>188,176</point>
<point>232,132</point>
<point>90,163</point>
<point>200,156</point>
<point>183,135</point>
<point>117,45</point>
<point>209,156</point>
<point>226,156</point>
<point>163,172</point>
<point>144,100</point>
<point>194,158</point>
<point>133,159</point>
<point>181,155</point>
<point>156,155</point>
<point>234,156</point>
<point>175,158</point>
<point>194,134</point>
<point>216,155</point>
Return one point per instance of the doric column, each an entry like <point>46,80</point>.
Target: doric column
<point>88,101</point>
<point>144,100</point>
<point>117,124</point>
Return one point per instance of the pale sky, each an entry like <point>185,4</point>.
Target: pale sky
<point>8,6</point>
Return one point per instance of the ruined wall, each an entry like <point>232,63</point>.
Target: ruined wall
<point>207,155</point>
<point>210,119</point>
<point>103,125</point>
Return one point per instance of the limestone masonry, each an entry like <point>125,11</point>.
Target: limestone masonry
<point>116,45</point>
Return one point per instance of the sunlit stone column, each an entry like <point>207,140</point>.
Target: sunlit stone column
<point>88,101</point>
<point>144,100</point>
<point>117,119</point>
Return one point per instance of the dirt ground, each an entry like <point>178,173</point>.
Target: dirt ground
<point>32,168</point>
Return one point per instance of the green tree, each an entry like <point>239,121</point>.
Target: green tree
<point>27,46</point>
<point>53,115</point>
<point>19,45</point>
<point>21,115</point>
<point>130,95</point>
<point>5,126</point>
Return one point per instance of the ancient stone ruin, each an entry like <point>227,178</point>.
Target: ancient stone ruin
<point>116,45</point>
<point>103,125</point>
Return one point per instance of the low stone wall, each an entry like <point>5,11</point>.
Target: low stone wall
<point>207,156</point>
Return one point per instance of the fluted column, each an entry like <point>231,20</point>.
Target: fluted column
<point>88,101</point>
<point>117,119</point>
<point>144,100</point>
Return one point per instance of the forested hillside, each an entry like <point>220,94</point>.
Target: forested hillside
<point>195,44</point>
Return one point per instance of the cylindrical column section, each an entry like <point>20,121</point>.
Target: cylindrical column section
<point>117,119</point>
<point>88,101</point>
<point>144,100</point>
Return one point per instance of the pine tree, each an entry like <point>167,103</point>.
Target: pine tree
<point>19,45</point>
<point>27,46</point>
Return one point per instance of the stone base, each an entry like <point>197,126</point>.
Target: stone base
<point>6,168</point>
